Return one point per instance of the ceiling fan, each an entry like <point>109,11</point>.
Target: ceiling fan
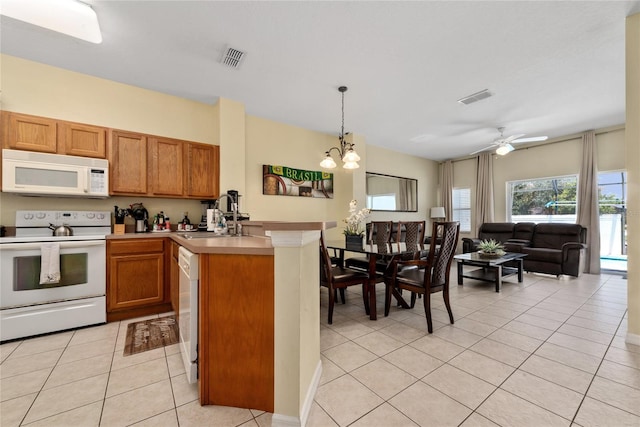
<point>503,144</point>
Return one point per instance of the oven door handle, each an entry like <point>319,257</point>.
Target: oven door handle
<point>63,245</point>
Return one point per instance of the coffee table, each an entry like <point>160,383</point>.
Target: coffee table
<point>491,269</point>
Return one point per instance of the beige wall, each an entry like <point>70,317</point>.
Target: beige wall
<point>381,160</point>
<point>246,143</point>
<point>632,145</point>
<point>553,159</point>
<point>32,88</point>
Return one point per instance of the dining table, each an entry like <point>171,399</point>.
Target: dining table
<point>373,253</point>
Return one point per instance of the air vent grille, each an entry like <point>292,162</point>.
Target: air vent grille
<point>233,57</point>
<point>475,97</point>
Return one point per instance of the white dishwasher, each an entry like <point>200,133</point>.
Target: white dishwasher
<point>188,312</point>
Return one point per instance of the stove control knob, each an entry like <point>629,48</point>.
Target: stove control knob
<point>90,215</point>
<point>28,216</point>
<point>41,215</point>
<point>100,216</point>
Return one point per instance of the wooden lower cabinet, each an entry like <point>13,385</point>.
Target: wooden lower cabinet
<point>138,282</point>
<point>236,331</point>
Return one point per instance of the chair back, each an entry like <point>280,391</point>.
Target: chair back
<point>380,235</point>
<point>440,256</point>
<point>325,261</point>
<point>413,233</point>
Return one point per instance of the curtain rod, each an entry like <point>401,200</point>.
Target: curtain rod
<point>565,138</point>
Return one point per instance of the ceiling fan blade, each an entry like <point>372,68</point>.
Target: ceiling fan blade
<point>531,139</point>
<point>491,147</point>
<point>511,138</point>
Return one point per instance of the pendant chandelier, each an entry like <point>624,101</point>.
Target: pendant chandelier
<point>346,152</point>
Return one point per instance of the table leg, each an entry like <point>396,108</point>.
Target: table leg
<point>373,315</point>
<point>520,268</point>
<point>498,270</point>
<point>459,272</point>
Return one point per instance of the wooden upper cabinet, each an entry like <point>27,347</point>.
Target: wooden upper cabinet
<point>128,163</point>
<point>82,140</point>
<point>25,132</point>
<point>203,170</point>
<point>166,171</point>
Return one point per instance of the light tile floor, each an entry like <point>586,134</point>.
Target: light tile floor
<point>544,352</point>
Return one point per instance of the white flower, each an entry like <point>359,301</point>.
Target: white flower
<point>354,220</point>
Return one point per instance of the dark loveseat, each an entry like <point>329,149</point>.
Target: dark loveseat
<point>550,248</point>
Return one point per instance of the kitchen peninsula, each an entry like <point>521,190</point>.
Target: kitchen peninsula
<point>259,338</point>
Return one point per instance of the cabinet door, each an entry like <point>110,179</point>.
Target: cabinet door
<point>135,281</point>
<point>203,171</point>
<point>76,139</point>
<point>128,163</point>
<point>166,173</point>
<point>24,132</point>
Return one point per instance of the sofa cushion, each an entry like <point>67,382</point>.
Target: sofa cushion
<point>523,230</point>
<point>553,236</point>
<point>499,231</point>
<point>543,255</point>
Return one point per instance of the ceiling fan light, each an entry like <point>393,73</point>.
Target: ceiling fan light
<point>351,156</point>
<point>351,165</point>
<point>504,149</point>
<point>328,162</point>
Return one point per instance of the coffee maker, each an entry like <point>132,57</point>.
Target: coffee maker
<point>141,216</point>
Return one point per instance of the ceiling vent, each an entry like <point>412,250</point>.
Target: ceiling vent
<point>478,96</point>
<point>232,57</point>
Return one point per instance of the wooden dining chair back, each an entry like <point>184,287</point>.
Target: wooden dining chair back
<point>425,276</point>
<point>335,277</point>
<point>379,234</point>
<point>411,236</point>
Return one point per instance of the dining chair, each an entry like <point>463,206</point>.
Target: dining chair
<point>425,277</point>
<point>410,234</point>
<point>335,277</point>
<point>379,234</point>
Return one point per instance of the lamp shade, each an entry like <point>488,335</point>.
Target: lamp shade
<point>437,212</point>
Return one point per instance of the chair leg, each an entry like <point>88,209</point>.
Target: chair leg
<point>427,311</point>
<point>413,299</point>
<point>342,295</point>
<point>332,300</point>
<point>365,297</point>
<point>388,287</point>
<point>445,296</point>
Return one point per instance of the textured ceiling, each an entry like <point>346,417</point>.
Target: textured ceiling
<point>555,67</point>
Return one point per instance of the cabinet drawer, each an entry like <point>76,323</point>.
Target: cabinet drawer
<point>136,246</point>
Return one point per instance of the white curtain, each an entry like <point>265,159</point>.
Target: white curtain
<point>588,207</point>
<point>484,190</point>
<point>446,189</point>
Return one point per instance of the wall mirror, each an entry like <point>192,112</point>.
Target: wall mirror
<point>391,193</point>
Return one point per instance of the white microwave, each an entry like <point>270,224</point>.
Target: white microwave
<point>41,174</point>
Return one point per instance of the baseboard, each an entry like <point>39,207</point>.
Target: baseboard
<point>632,339</point>
<point>279,420</point>
<point>311,394</point>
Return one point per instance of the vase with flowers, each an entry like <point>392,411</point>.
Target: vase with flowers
<point>354,229</point>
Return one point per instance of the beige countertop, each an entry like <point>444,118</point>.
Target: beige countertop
<point>207,243</point>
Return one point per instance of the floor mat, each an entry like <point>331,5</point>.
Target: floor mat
<point>150,334</point>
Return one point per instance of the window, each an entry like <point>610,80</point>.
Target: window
<point>543,200</point>
<point>462,208</point>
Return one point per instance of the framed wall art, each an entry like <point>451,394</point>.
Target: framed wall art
<point>286,181</point>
